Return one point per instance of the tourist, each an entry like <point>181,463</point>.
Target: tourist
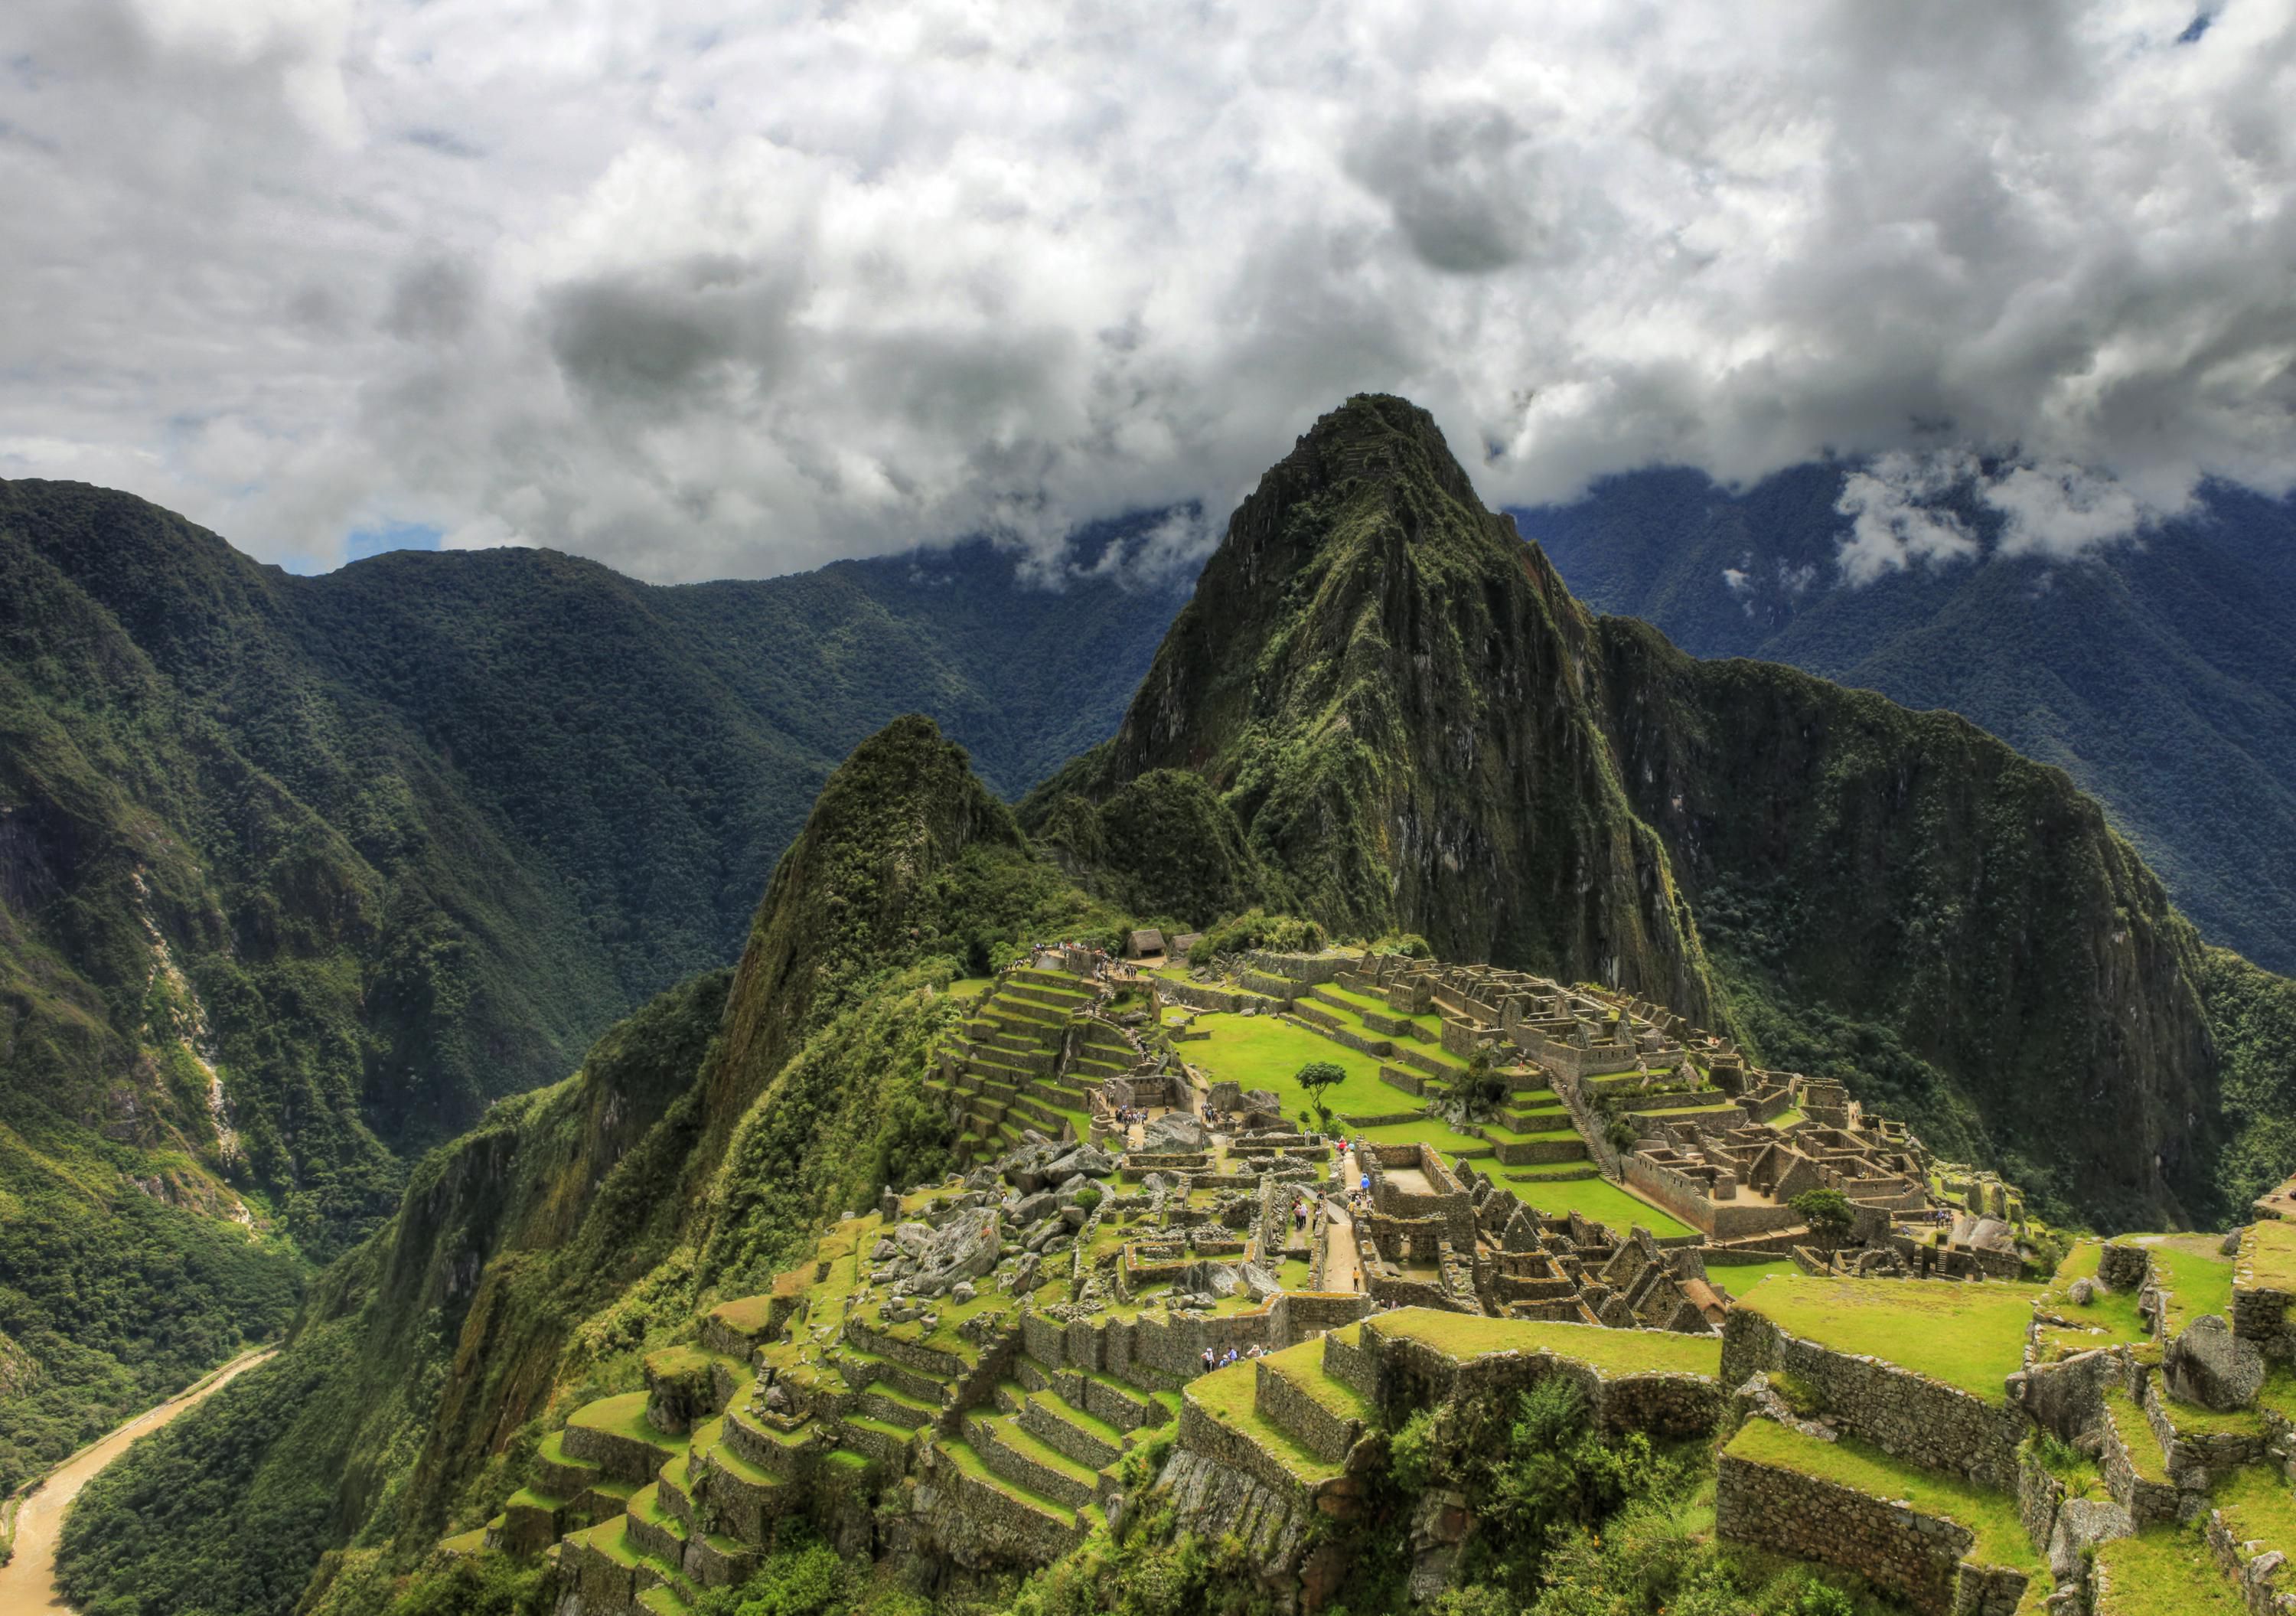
<point>1208,1360</point>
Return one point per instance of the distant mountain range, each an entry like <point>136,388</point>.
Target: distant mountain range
<point>2159,673</point>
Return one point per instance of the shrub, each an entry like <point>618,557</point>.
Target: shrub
<point>1256,928</point>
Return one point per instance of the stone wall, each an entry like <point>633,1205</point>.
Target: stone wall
<point>1687,1199</point>
<point>1326,1435</point>
<point>1904,1413</point>
<point>1413,1374</point>
<point>1916,1556</point>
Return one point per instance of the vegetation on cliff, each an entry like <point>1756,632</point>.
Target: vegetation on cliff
<point>534,1260</point>
<point>298,874</point>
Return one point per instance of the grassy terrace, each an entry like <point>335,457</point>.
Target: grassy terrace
<point>1604,1202</point>
<point>1967,1335</point>
<point>624,1416</point>
<point>2196,1274</point>
<point>2268,1257</point>
<point>2165,1571</point>
<point>1228,1395</point>
<point>2111,1318</point>
<point>1612,1352</point>
<point>1303,1366</point>
<point>1430,1024</point>
<point>1743,1277</point>
<point>1989,1516</point>
<point>1424,1130</point>
<point>2258,1503</point>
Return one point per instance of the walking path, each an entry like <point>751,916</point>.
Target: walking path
<point>27,1582</point>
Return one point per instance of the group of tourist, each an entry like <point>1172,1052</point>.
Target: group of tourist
<point>1215,1359</point>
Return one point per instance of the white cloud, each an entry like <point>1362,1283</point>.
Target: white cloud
<point>1894,522</point>
<point>703,288</point>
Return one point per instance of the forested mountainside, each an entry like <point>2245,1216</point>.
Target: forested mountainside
<point>297,874</point>
<point>2160,672</point>
<point>1887,897</point>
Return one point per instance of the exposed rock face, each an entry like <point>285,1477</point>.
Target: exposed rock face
<point>2207,1364</point>
<point>1388,691</point>
<point>1174,1131</point>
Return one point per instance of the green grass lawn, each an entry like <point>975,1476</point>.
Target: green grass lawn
<point>1971,1336</point>
<point>1422,1130</point>
<point>2196,1274</point>
<point>1466,1336</point>
<point>1743,1277</point>
<point>1262,1052</point>
<point>2268,1257</point>
<point>1990,1516</point>
<point>1604,1202</point>
<point>2165,1571</point>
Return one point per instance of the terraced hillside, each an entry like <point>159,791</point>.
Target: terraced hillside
<point>2119,1442</point>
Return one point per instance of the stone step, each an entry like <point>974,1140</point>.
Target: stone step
<point>1089,1440</point>
<point>2134,1468</point>
<point>974,1466</point>
<point>778,1453</point>
<point>614,1434</point>
<point>655,1531</point>
<point>662,1600</point>
<point>1119,1403</point>
<point>559,1473</point>
<point>1322,1415</point>
<point>886,1402</point>
<point>1019,1457</point>
<point>879,1440</point>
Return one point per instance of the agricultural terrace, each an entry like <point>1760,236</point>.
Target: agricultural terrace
<point>1971,1336</point>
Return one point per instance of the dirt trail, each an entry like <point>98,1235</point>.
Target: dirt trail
<point>27,1582</point>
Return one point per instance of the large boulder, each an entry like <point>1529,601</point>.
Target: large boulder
<point>1174,1132</point>
<point>913,1239</point>
<point>1258,1280</point>
<point>2210,1366</point>
<point>1088,1160</point>
<point>965,1248</point>
<point>2083,1523</point>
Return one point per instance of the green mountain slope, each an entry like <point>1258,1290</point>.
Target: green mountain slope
<point>297,875</point>
<point>702,1141</point>
<point>2160,675</point>
<point>1411,725</point>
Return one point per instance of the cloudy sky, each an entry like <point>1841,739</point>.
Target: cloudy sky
<point>704,288</point>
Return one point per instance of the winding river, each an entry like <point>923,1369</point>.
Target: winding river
<point>27,1582</point>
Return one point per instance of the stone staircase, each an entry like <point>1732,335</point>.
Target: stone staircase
<point>1012,1067</point>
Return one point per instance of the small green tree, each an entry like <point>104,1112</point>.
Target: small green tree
<point>1827,1211</point>
<point>1314,1078</point>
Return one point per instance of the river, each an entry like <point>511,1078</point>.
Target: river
<point>27,1582</point>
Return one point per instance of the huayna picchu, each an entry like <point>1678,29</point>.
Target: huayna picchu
<point>1455,1107</point>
